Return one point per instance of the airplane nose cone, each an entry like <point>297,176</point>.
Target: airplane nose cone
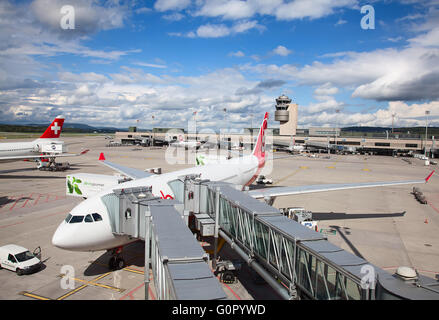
<point>60,238</point>
<point>57,239</point>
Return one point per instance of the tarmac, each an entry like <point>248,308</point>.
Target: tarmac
<point>386,226</point>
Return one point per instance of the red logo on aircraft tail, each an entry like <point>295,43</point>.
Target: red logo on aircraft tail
<point>54,130</point>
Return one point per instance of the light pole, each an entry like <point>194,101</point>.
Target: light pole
<point>393,120</point>
<point>153,132</point>
<point>195,120</point>
<point>427,112</point>
<point>337,111</point>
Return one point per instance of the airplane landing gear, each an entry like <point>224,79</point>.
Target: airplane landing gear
<point>116,261</point>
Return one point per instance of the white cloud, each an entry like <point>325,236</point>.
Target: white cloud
<point>150,65</point>
<point>428,39</point>
<point>220,30</point>
<point>282,10</point>
<point>281,51</point>
<point>238,54</point>
<point>165,5</point>
<point>326,90</point>
<point>385,74</point>
<point>176,16</point>
<point>213,31</point>
<point>340,22</point>
<point>89,17</point>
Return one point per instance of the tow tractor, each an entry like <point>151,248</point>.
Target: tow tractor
<point>228,269</point>
<point>51,165</point>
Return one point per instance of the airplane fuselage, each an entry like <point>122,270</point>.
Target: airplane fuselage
<point>26,148</point>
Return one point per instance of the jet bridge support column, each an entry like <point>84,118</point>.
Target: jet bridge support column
<point>147,251</point>
<point>217,214</point>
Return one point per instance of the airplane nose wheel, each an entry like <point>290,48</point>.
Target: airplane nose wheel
<point>116,263</point>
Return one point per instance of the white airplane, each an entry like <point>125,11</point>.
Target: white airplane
<point>187,144</point>
<point>88,227</point>
<point>42,150</point>
<point>292,147</point>
<point>296,148</point>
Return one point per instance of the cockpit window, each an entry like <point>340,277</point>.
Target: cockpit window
<point>88,218</point>
<point>76,219</point>
<point>69,216</point>
<point>97,216</point>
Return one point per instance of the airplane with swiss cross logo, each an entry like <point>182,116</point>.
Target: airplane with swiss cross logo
<point>44,149</point>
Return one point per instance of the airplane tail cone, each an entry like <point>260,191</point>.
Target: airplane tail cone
<point>101,156</point>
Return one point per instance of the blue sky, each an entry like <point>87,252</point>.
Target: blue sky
<point>129,60</point>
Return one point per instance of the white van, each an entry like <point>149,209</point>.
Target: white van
<point>19,259</point>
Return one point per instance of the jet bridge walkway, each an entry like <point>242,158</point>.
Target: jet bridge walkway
<point>296,262</point>
<point>178,263</point>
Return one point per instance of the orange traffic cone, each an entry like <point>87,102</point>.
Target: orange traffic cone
<point>101,156</point>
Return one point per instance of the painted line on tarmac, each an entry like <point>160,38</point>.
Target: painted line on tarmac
<point>130,294</point>
<point>34,296</point>
<point>68,294</point>
<point>433,207</point>
<point>290,175</point>
<point>99,285</point>
<point>10,225</point>
<point>27,200</point>
<point>15,203</point>
<point>133,270</point>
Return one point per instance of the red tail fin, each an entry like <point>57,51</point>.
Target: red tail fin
<point>428,178</point>
<point>259,150</point>
<point>54,130</point>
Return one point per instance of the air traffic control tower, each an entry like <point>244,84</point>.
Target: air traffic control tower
<point>286,114</point>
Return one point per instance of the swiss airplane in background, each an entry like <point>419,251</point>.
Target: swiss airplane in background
<point>88,226</point>
<point>44,149</point>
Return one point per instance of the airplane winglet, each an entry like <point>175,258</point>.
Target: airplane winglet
<point>101,156</point>
<point>429,176</point>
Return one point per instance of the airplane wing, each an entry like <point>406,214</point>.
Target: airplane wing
<point>286,191</point>
<point>130,172</point>
<point>42,156</point>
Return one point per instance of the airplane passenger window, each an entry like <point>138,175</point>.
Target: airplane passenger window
<point>97,216</point>
<point>88,218</point>
<point>76,219</point>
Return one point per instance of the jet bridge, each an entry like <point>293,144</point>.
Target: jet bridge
<point>296,262</point>
<point>179,265</point>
